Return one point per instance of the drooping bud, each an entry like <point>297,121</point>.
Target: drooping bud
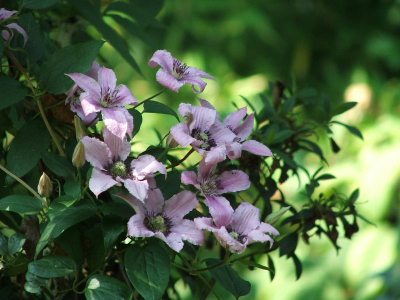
<point>45,187</point>
<point>79,157</point>
<point>79,128</point>
<point>171,142</point>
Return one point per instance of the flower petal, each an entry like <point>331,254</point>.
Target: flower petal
<point>215,155</point>
<point>100,182</point>
<point>146,166</point>
<point>19,29</point>
<point>136,227</point>
<point>227,241</point>
<point>180,205</point>
<point>180,133</point>
<point>205,170</point>
<point>245,129</point>
<point>173,240</point>
<point>192,72</point>
<point>245,218</point>
<point>203,118</point>
<point>5,14</point>
<point>258,236</point>
<point>166,79</point>
<point>265,227</point>
<point>89,104</point>
<point>221,134</point>
<point>129,121</point>
<point>220,209</point>
<point>120,149</point>
<point>97,152</point>
<point>189,177</point>
<point>132,201</point>
<point>233,119</point>
<point>107,80</point>
<point>256,148</point>
<point>124,96</point>
<point>116,122</point>
<point>205,223</point>
<point>94,70</point>
<point>234,150</point>
<point>162,58</point>
<point>194,81</point>
<point>138,188</point>
<point>155,201</point>
<point>233,181</point>
<point>87,84</point>
<point>188,231</point>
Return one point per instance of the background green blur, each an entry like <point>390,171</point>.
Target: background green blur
<point>349,50</point>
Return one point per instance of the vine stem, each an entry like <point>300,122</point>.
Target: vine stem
<point>147,99</point>
<point>39,103</point>
<point>24,184</point>
<point>182,160</point>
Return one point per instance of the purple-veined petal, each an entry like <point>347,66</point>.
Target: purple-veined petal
<point>138,188</point>
<point>89,104</point>
<point>206,104</point>
<point>185,110</point>
<point>256,148</point>
<point>100,182</point>
<point>173,240</point>
<point>168,80</point>
<point>205,170</point>
<point>234,150</point>
<point>221,134</point>
<point>94,70</point>
<point>205,223</point>
<point>19,29</point>
<point>192,72</point>
<point>115,120</point>
<point>107,80</point>
<point>162,58</point>
<point>180,205</point>
<point>70,93</point>
<point>86,119</point>
<point>216,155</point>
<point>155,201</point>
<point>87,84</point>
<point>245,218</point>
<point>120,149</point>
<point>245,129</point>
<point>203,118</point>
<point>180,133</point>
<point>146,165</point>
<point>137,228</point>
<point>124,96</point>
<point>188,231</point>
<point>97,152</point>
<point>194,81</point>
<point>258,236</point>
<point>265,227</point>
<point>129,122</point>
<point>233,181</point>
<point>137,205</point>
<point>220,209</point>
<point>227,241</point>
<point>189,177</point>
<point>233,119</point>
<point>5,14</point>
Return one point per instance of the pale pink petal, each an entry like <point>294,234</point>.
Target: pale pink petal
<point>107,80</point>
<point>93,72</point>
<point>180,205</point>
<point>188,231</point>
<point>206,104</point>
<point>234,150</point>
<point>233,181</point>
<point>100,182</point>
<point>194,81</point>
<point>245,218</point>
<point>192,72</point>
<point>216,155</point>
<point>180,133</point>
<point>205,170</point>
<point>85,119</point>
<point>245,129</point>
<point>189,177</point>
<point>19,29</point>
<point>87,84</point>
<point>256,148</point>
<point>89,104</point>
<point>120,149</point>
<point>116,122</point>
<point>227,241</point>
<point>97,152</point>
<point>5,14</point>
<point>221,134</point>
<point>137,228</point>
<point>162,58</point>
<point>258,236</point>
<point>205,223</point>
<point>155,201</point>
<point>185,110</point>
<point>146,165</point>
<point>124,96</point>
<point>132,201</point>
<point>70,93</point>
<point>203,118</point>
<point>138,188</point>
<point>129,121</point>
<point>5,34</point>
<point>265,227</point>
<point>173,240</point>
<point>220,209</point>
<point>233,119</point>
<point>166,79</point>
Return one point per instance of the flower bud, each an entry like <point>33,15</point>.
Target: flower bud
<point>79,157</point>
<point>171,142</point>
<point>79,128</point>
<point>45,187</point>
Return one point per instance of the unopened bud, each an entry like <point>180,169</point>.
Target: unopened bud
<point>274,217</point>
<point>79,128</point>
<point>45,187</point>
<point>171,142</point>
<point>79,157</point>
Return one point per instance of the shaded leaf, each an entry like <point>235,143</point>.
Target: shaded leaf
<point>159,108</point>
<point>137,120</point>
<point>343,107</point>
<point>35,4</point>
<point>298,266</point>
<point>53,266</point>
<point>21,204</point>
<point>57,164</point>
<point>254,264</point>
<point>169,186</point>
<point>72,188</point>
<point>351,129</point>
<point>11,91</point>
<point>102,287</point>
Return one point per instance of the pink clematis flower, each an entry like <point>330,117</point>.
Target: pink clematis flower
<point>110,167</point>
<point>164,219</point>
<point>212,185</point>
<point>242,132</point>
<point>174,73</point>
<point>203,132</point>
<point>73,97</point>
<point>103,96</point>
<point>244,229</point>
<point>5,14</point>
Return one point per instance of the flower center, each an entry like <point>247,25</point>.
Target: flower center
<point>210,186</point>
<point>107,98</point>
<point>119,169</point>
<point>179,69</point>
<point>241,238</point>
<point>158,223</point>
<point>208,142</point>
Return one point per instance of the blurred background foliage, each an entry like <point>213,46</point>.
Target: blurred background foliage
<point>346,49</point>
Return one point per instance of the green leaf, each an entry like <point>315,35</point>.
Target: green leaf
<point>288,105</point>
<point>169,186</point>
<point>159,108</point>
<point>21,204</point>
<point>227,277</point>
<point>53,266</point>
<point>35,4</point>
<point>288,244</point>
<point>63,220</point>
<point>71,59</point>
<point>123,210</point>
<point>354,196</point>
<point>325,177</point>
<point>254,264</point>
<point>148,268</point>
<point>34,283</point>
<point>3,245</point>
<point>307,93</point>
<point>274,217</point>
<point>57,164</point>
<point>15,243</point>
<point>112,227</point>
<point>73,249</point>
<point>1,47</point>
<point>343,108</point>
<point>96,254</point>
<point>32,139</point>
<point>18,266</point>
<point>72,188</point>
<point>102,287</point>
<point>11,91</point>
<point>351,129</point>
<point>137,120</point>
<point>297,264</point>
<point>92,14</point>
<point>282,135</point>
